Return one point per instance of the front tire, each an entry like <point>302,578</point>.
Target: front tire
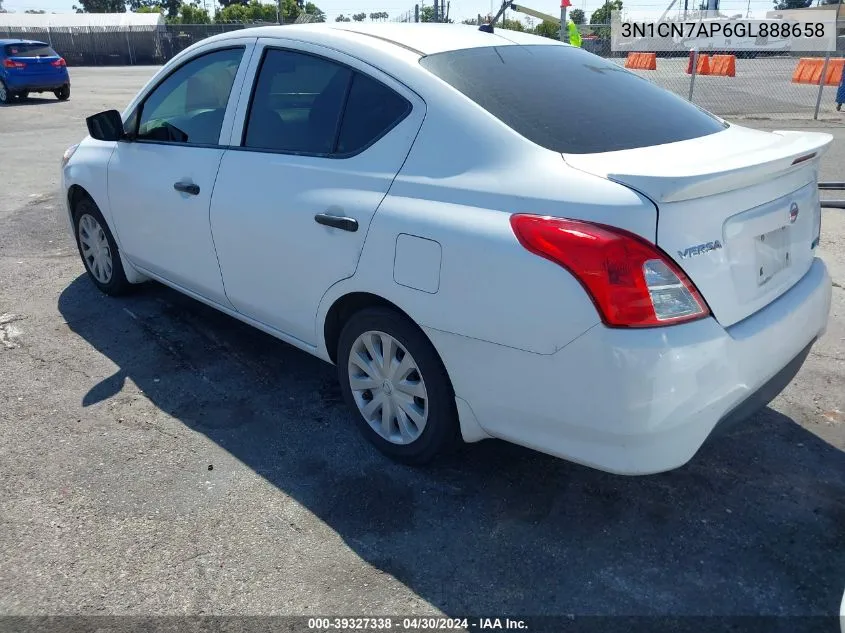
<point>63,93</point>
<point>98,250</point>
<point>396,385</point>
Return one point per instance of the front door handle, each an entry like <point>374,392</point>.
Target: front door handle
<point>187,187</point>
<point>337,221</point>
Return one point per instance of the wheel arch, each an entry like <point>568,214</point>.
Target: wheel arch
<point>77,192</point>
<point>343,307</point>
<point>347,304</point>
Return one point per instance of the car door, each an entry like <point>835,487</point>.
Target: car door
<point>161,178</point>
<point>322,138</point>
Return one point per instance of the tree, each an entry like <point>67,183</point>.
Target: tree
<point>169,7</point>
<point>100,6</point>
<point>192,14</point>
<point>2,10</point>
<point>548,29</point>
<point>313,10</point>
<point>602,15</point>
<point>36,11</point>
<point>342,18</point>
<point>513,25</point>
<point>254,11</point>
<point>577,16</point>
<point>782,5</point>
<point>359,17</point>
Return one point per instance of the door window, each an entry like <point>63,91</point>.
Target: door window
<point>188,107</point>
<point>372,110</point>
<point>297,103</point>
<point>305,104</point>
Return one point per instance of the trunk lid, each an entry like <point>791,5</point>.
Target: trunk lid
<point>37,65</point>
<point>738,210</point>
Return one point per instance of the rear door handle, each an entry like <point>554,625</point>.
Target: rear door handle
<point>187,187</point>
<point>336,221</point>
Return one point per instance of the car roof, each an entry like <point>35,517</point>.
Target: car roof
<point>420,38</point>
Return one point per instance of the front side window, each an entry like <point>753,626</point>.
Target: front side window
<point>188,107</point>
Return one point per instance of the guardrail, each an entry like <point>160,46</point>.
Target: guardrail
<point>832,186</point>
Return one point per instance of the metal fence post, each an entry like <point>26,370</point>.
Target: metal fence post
<point>693,72</point>
<point>129,46</point>
<point>821,86</point>
<point>564,31</point>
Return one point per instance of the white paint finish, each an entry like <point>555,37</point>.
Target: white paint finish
<point>161,229</point>
<point>416,263</point>
<point>732,186</point>
<point>633,401</point>
<point>520,339</point>
<point>471,430</point>
<point>276,261</point>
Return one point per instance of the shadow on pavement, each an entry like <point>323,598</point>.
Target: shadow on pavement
<point>755,524</point>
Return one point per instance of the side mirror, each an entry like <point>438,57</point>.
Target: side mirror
<point>106,126</point>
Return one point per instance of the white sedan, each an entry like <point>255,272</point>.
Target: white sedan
<point>489,234</point>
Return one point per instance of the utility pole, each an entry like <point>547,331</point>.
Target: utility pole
<point>416,13</point>
<point>564,32</point>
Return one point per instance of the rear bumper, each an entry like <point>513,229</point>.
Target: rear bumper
<point>36,83</point>
<point>639,401</point>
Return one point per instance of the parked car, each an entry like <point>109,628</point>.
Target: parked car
<point>481,250</point>
<point>28,66</point>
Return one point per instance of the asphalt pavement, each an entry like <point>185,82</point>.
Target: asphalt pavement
<point>159,458</point>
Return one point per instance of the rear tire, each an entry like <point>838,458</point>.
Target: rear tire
<point>98,250</point>
<point>421,421</point>
<point>5,95</point>
<point>63,93</point>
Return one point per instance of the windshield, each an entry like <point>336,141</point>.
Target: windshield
<point>29,50</point>
<point>570,101</point>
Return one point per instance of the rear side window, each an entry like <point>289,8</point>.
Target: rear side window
<point>30,50</point>
<point>570,101</point>
<point>297,103</point>
<point>372,109</point>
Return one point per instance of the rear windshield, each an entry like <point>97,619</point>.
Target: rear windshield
<point>29,50</point>
<point>568,100</point>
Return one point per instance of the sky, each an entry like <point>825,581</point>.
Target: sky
<point>459,10</point>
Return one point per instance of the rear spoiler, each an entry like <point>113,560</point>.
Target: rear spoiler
<point>704,166</point>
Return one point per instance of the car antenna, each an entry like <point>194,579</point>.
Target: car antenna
<point>488,28</point>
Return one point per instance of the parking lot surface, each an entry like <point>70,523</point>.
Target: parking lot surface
<point>157,457</point>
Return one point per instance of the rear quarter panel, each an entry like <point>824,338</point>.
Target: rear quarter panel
<point>459,186</point>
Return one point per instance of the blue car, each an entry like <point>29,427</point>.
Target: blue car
<point>29,66</point>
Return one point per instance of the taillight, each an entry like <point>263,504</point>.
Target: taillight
<point>11,63</point>
<point>59,62</point>
<point>631,282</point>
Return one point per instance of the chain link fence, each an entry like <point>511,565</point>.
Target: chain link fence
<point>761,88</point>
<point>120,45</point>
